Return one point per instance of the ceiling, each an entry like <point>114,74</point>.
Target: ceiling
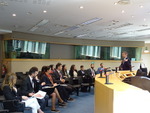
<point>125,20</point>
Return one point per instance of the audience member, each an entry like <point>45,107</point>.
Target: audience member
<point>101,68</point>
<point>31,85</point>
<point>10,93</point>
<point>73,72</point>
<point>58,78</point>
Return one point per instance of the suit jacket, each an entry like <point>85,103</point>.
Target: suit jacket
<point>27,88</point>
<point>126,65</point>
<point>89,72</point>
<point>80,73</point>
<point>56,77</point>
<point>71,73</point>
<point>46,80</point>
<point>11,94</point>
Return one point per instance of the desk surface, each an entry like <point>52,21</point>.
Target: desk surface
<point>117,85</point>
<point>119,97</point>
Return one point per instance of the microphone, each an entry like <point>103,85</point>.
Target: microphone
<point>116,69</point>
<point>101,74</point>
<point>107,79</point>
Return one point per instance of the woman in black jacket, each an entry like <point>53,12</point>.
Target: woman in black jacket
<point>73,72</point>
<point>10,93</point>
<point>47,78</point>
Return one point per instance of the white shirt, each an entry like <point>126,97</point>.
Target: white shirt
<point>75,74</point>
<point>31,80</point>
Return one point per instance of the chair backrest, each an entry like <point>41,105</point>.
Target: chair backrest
<point>19,75</point>
<point>140,73</point>
<point>140,82</point>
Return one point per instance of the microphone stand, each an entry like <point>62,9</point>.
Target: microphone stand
<point>116,70</point>
<point>131,69</point>
<point>107,79</point>
<point>101,74</point>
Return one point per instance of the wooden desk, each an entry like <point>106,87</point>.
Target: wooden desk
<point>120,97</point>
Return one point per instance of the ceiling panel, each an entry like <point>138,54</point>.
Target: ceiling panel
<point>118,22</point>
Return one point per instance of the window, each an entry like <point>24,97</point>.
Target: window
<point>88,51</point>
<point>115,52</point>
<point>26,49</point>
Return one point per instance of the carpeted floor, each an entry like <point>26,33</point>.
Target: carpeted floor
<point>84,103</point>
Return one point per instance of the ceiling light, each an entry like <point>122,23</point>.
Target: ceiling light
<point>71,28</point>
<point>59,33</point>
<point>123,2</point>
<point>91,21</point>
<point>81,7</point>
<point>41,23</point>
<point>5,31</point>
<point>29,13</point>
<point>115,3</point>
<point>144,19</point>
<point>44,11</point>
<point>13,14</point>
<point>122,11</point>
<point>132,16</point>
<point>141,6</point>
<point>34,28</point>
<point>80,35</point>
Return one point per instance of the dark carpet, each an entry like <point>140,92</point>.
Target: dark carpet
<point>84,103</point>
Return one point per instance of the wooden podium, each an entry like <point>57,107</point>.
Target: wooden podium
<point>120,97</point>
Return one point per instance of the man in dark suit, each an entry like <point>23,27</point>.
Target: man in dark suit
<point>31,85</point>
<point>59,79</point>
<point>126,62</point>
<point>91,73</point>
<point>81,72</point>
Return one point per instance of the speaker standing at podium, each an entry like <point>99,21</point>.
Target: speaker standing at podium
<point>126,62</point>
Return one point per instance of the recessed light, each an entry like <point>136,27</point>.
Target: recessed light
<point>81,7</point>
<point>29,13</point>
<point>132,16</point>
<point>13,14</point>
<point>115,3</point>
<point>141,6</point>
<point>44,11</point>
<point>144,19</point>
<point>122,11</point>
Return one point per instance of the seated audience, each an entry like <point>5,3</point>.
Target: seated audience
<point>73,72</point>
<point>81,72</point>
<point>52,68</point>
<point>10,93</point>
<point>48,80</point>
<point>31,85</point>
<point>91,73</point>
<point>58,78</point>
<point>101,68</point>
<point>64,71</point>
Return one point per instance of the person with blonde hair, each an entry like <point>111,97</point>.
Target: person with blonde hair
<point>10,93</point>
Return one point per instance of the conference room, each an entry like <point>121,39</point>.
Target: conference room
<point>74,56</point>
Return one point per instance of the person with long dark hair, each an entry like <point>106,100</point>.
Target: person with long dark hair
<point>47,78</point>
<point>73,72</point>
<point>64,71</point>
